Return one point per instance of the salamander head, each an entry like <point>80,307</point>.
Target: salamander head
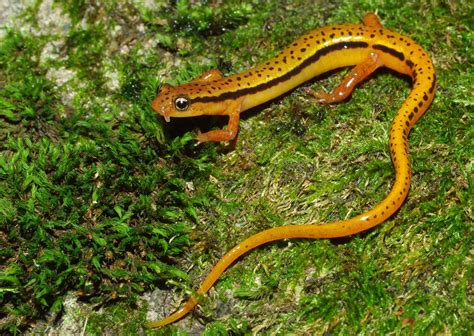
<point>171,102</point>
<point>177,102</point>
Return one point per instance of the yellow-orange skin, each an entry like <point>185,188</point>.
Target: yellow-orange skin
<point>381,47</point>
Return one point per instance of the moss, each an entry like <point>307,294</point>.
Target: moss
<point>100,198</point>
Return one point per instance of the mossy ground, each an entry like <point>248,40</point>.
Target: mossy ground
<point>100,201</point>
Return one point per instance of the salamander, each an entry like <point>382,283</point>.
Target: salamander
<point>367,47</point>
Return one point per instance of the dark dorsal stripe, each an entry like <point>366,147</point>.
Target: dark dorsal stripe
<point>390,51</point>
<point>310,60</point>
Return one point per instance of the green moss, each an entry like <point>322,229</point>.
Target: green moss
<point>26,94</point>
<point>89,202</point>
<point>98,197</point>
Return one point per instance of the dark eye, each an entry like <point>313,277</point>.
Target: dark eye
<point>181,103</point>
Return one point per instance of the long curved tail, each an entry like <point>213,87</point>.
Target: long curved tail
<point>423,75</point>
<point>412,109</point>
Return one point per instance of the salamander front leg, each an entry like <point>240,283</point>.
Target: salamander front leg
<point>208,76</point>
<point>222,135</point>
<point>343,90</point>
<point>232,127</point>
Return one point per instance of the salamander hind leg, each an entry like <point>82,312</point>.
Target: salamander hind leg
<point>372,20</point>
<point>350,81</point>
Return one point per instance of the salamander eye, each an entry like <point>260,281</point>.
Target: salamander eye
<point>181,103</point>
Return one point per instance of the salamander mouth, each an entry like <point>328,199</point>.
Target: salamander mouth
<point>155,105</point>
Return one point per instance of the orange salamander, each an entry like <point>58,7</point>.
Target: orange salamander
<point>367,47</point>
